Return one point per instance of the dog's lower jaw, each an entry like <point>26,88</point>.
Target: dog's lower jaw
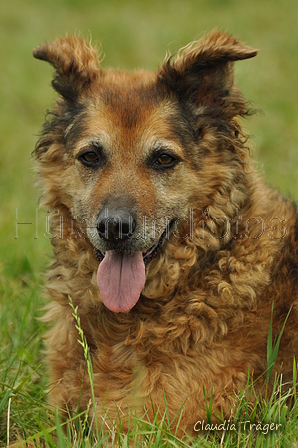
<point>99,254</point>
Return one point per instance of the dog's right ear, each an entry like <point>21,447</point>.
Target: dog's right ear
<point>76,64</point>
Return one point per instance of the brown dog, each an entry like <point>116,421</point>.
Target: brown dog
<point>164,236</point>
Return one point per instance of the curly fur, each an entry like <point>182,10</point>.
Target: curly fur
<point>203,316</point>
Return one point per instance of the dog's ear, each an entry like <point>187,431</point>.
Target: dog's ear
<point>202,72</point>
<point>76,64</point>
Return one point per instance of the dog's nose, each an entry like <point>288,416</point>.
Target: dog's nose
<point>114,225</point>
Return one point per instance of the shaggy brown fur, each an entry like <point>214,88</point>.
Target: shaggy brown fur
<point>128,161</point>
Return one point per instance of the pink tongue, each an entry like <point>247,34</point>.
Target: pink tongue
<point>121,278</point>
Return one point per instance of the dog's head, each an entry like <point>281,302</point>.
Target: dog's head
<point>130,154</point>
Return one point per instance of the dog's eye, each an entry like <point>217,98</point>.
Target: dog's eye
<point>164,161</point>
<point>89,158</point>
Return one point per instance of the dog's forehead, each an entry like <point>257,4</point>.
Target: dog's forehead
<point>126,107</point>
<point>129,96</point>
<point>126,112</point>
<point>128,129</point>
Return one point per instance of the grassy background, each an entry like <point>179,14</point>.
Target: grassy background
<point>133,33</point>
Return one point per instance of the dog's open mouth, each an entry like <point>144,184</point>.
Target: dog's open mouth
<point>148,254</point>
<point>121,276</point>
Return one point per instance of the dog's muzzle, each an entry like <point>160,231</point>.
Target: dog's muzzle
<point>121,273</point>
<point>115,226</point>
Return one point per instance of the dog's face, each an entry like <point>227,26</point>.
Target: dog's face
<point>132,150</point>
<point>126,165</point>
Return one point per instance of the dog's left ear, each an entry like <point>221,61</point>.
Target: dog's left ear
<point>76,64</point>
<point>202,73</point>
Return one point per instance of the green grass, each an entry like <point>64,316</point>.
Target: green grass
<point>133,34</point>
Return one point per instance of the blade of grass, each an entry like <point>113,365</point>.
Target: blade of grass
<point>84,344</point>
<point>59,432</point>
<point>273,347</point>
<point>5,399</point>
<point>208,407</point>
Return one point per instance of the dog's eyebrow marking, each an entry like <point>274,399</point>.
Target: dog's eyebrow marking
<point>74,131</point>
<point>91,142</point>
<point>163,145</point>
<point>68,130</point>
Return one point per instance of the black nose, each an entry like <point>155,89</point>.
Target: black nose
<point>115,224</point>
